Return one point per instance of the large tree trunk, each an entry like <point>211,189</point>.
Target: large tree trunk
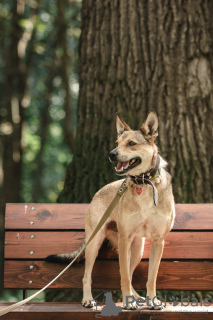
<point>142,55</point>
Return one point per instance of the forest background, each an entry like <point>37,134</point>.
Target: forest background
<point>67,66</point>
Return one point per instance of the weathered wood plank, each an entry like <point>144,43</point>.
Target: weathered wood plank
<point>21,245</point>
<point>71,216</point>
<point>67,311</point>
<point>45,216</point>
<point>194,216</point>
<point>171,275</point>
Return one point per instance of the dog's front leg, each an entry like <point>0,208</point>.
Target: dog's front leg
<point>154,262</point>
<point>124,245</point>
<point>91,253</point>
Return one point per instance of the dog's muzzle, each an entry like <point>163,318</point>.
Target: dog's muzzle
<point>113,156</point>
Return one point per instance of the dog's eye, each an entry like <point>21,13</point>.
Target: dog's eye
<point>116,143</point>
<point>131,143</point>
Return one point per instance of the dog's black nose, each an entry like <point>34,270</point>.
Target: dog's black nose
<point>113,155</point>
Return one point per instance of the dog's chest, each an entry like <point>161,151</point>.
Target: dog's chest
<point>149,224</point>
<point>140,216</point>
<point>142,197</point>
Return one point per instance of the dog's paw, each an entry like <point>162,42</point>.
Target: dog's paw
<point>88,303</point>
<point>156,305</point>
<point>131,306</point>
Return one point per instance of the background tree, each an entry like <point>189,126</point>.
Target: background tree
<point>142,55</point>
<point>38,94</point>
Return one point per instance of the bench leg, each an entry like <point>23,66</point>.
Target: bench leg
<point>24,294</point>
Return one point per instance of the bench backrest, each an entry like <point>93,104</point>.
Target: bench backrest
<point>33,231</point>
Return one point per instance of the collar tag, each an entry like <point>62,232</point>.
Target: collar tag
<point>138,190</point>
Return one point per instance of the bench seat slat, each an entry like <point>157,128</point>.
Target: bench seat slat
<point>19,245</point>
<point>71,216</point>
<point>172,275</point>
<point>44,216</point>
<point>68,311</point>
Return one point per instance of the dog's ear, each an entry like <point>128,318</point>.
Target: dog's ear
<point>121,125</point>
<point>150,126</point>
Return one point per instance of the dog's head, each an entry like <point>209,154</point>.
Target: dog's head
<point>135,151</point>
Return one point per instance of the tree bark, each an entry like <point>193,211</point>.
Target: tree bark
<point>136,56</point>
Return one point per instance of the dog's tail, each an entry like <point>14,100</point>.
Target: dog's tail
<point>67,257</point>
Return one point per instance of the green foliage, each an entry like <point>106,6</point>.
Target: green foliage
<point>45,150</point>
<point>44,93</point>
<point>17,295</point>
<point>56,154</point>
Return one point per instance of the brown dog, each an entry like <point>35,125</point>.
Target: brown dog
<point>146,210</point>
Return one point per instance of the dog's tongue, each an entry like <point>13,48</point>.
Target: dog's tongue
<point>122,164</point>
<point>125,164</point>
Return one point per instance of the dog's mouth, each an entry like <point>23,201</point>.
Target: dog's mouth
<point>123,167</point>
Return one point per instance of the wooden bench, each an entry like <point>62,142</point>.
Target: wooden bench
<point>33,231</point>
